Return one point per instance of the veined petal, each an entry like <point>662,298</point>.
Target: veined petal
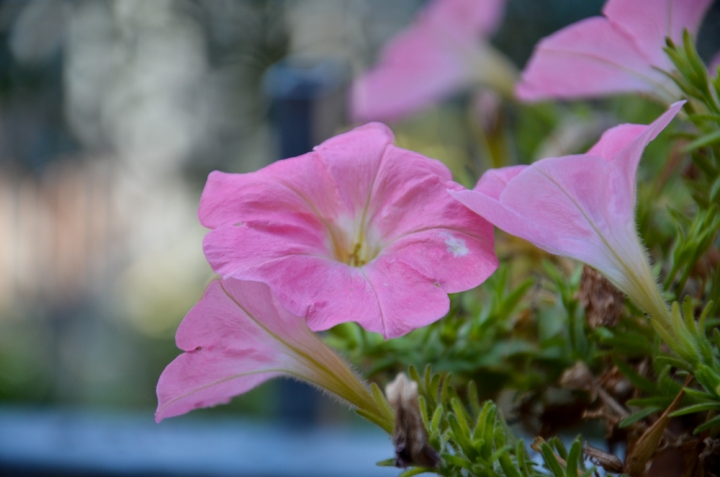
<point>553,204</point>
<point>235,338</point>
<point>407,299</point>
<point>291,191</point>
<point>649,22</point>
<point>454,260</point>
<point>494,181</point>
<point>231,249</point>
<point>238,336</point>
<point>326,292</point>
<point>624,146</point>
<point>353,160</point>
<point>588,58</point>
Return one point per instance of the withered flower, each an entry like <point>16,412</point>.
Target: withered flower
<point>603,302</point>
<point>409,436</point>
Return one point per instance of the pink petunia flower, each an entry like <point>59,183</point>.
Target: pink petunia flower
<point>442,52</point>
<point>581,207</point>
<point>239,336</point>
<point>357,230</point>
<point>621,52</point>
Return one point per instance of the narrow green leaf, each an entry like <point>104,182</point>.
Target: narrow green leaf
<point>703,141</point>
<point>709,406</point>
<point>386,463</point>
<point>436,419</point>
<point>462,439</point>
<point>473,398</point>
<point>551,461</point>
<point>573,459</point>
<point>638,416</point>
<point>508,467</point>
<point>708,424</point>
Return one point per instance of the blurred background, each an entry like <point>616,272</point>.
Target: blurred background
<point>112,113</point>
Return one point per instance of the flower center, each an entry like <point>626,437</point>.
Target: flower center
<point>354,243</point>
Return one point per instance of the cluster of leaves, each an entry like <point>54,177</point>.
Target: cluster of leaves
<point>476,441</point>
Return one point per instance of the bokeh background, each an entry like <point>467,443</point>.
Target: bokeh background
<point>112,113</point>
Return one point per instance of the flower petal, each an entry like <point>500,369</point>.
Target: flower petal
<point>407,299</point>
<point>291,191</point>
<point>231,249</point>
<point>452,259</point>
<point>229,349</point>
<point>648,22</point>
<point>353,160</point>
<point>326,292</point>
<point>588,58</point>
<point>406,182</point>
<point>494,181</point>
<point>627,157</point>
<point>392,89</point>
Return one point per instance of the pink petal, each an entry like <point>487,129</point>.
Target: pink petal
<point>585,59</point>
<point>231,249</point>
<point>407,181</point>
<point>293,191</point>
<point>648,22</point>
<point>494,181</point>
<point>627,158</point>
<point>417,68</point>
<point>326,292</point>
<point>615,139</point>
<point>233,341</point>
<point>407,299</point>
<point>353,160</point>
<point>453,260</point>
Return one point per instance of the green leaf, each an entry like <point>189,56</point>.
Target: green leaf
<point>386,463</point>
<point>638,416</point>
<point>436,419</point>
<point>551,461</point>
<point>709,406</point>
<point>462,439</point>
<point>574,459</point>
<point>708,424</point>
<point>703,141</point>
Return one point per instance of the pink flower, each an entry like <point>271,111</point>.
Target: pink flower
<point>442,52</point>
<point>239,336</point>
<point>621,52</point>
<point>357,230</point>
<point>581,206</point>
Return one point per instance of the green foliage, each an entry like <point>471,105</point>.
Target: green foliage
<point>474,440</point>
<point>485,336</point>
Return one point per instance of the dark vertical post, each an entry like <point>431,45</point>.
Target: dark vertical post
<point>308,106</point>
